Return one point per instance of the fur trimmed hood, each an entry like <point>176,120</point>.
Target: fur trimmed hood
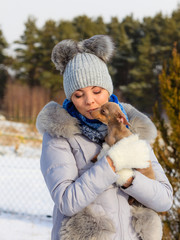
<point>55,120</point>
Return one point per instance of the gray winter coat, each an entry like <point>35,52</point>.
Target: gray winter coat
<point>74,182</point>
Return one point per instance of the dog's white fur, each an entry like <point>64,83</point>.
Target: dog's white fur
<point>130,152</point>
<point>124,174</point>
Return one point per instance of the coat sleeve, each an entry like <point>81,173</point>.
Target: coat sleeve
<point>69,191</point>
<point>155,194</point>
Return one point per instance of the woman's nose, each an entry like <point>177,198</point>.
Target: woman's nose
<point>89,99</point>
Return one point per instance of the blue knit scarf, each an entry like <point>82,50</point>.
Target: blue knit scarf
<point>91,128</point>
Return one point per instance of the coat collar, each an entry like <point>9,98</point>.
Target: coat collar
<point>55,120</point>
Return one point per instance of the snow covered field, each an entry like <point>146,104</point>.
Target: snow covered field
<point>14,227</point>
<point>25,203</point>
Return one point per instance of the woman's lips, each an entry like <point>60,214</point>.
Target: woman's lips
<point>90,110</point>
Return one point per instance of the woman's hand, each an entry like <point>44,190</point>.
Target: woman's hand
<point>129,182</point>
<point>148,172</point>
<point>110,163</point>
<point>144,170</point>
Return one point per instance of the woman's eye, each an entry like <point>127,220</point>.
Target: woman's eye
<point>97,92</point>
<point>78,96</point>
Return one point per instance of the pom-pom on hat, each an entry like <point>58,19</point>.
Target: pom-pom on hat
<point>83,64</point>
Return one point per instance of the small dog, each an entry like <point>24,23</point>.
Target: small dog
<point>111,115</point>
<point>146,222</point>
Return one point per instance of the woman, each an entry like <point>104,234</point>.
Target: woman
<point>88,202</point>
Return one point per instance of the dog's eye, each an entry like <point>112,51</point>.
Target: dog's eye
<point>103,111</point>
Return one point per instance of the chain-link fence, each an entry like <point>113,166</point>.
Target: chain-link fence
<point>22,187</point>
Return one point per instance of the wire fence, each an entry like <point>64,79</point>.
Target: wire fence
<point>22,187</point>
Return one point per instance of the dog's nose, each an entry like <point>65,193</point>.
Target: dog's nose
<point>94,112</point>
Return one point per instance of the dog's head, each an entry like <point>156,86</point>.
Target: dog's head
<point>109,113</point>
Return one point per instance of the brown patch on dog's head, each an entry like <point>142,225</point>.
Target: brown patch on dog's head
<point>109,113</point>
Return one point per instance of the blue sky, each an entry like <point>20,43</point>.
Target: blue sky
<point>14,13</point>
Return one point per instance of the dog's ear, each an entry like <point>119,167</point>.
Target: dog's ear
<point>122,118</point>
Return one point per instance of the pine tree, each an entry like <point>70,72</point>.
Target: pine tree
<point>85,27</point>
<point>152,43</point>
<point>167,145</point>
<point>139,91</point>
<point>28,58</point>
<point>33,62</point>
<point>48,76</point>
<point>100,26</point>
<point>66,30</point>
<point>123,57</point>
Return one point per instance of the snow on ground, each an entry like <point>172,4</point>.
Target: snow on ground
<point>14,227</point>
<point>25,202</point>
<point>22,187</point>
<point>22,129</point>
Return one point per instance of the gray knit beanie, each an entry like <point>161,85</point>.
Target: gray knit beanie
<point>83,64</point>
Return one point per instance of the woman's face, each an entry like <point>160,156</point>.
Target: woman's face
<point>89,98</point>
